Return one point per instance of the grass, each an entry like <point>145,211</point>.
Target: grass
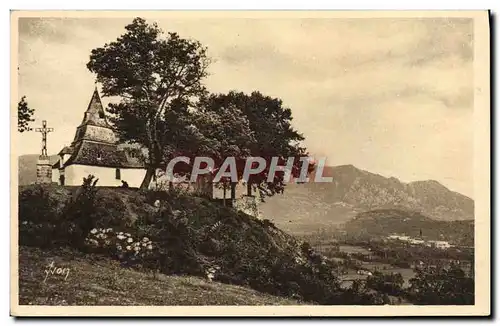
<point>96,280</point>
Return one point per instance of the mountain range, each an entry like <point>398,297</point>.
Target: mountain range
<point>309,206</point>
<point>27,168</point>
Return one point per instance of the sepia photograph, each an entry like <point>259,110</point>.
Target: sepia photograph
<point>254,163</point>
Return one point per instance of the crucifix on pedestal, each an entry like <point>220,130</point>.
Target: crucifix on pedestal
<point>43,167</point>
<point>44,130</point>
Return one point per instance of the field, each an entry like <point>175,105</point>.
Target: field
<point>371,266</point>
<point>354,249</point>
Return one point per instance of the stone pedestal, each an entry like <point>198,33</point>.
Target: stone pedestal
<point>43,170</point>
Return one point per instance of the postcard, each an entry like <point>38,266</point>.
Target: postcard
<point>250,163</point>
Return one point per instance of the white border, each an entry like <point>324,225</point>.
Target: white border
<point>91,4</point>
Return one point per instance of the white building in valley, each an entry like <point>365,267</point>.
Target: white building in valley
<point>440,244</point>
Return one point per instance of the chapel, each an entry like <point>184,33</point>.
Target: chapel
<point>95,150</point>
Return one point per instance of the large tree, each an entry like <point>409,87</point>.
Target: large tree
<point>224,132</point>
<point>24,115</point>
<point>157,78</point>
<point>273,134</point>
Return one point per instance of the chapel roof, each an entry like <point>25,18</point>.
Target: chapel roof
<point>95,114</point>
<point>66,150</point>
<point>98,154</point>
<point>94,126</point>
<point>95,142</point>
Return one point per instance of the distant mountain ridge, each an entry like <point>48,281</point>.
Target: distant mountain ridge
<point>27,168</point>
<point>370,191</point>
<point>354,191</point>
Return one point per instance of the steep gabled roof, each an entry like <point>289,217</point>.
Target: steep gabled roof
<point>99,154</point>
<point>95,142</point>
<point>95,114</point>
<point>94,126</point>
<point>66,150</point>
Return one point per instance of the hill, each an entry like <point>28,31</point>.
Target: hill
<point>97,280</point>
<point>27,167</point>
<point>384,222</point>
<point>180,234</point>
<point>307,207</point>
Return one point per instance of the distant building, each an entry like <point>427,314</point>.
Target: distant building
<point>364,272</point>
<point>398,237</point>
<point>440,244</point>
<point>416,241</point>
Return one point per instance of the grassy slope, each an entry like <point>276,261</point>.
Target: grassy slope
<point>96,280</point>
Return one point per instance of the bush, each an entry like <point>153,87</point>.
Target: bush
<point>42,215</point>
<point>441,286</point>
<point>391,284</point>
<point>41,203</point>
<point>124,246</point>
<point>81,211</point>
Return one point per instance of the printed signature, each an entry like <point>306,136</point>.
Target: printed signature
<point>54,270</point>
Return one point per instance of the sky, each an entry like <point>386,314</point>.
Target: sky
<point>392,96</point>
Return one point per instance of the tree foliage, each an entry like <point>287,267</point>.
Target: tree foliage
<point>24,115</point>
<point>165,108</point>
<point>442,286</point>
<point>391,284</point>
<point>271,131</point>
<point>157,78</point>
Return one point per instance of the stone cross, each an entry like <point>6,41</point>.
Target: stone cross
<point>44,130</point>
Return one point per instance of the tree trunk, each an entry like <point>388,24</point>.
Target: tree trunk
<point>249,189</point>
<point>233,190</point>
<point>150,172</point>
<point>224,194</point>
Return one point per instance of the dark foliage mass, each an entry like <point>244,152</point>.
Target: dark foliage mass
<point>391,284</point>
<point>442,286</point>
<point>24,115</point>
<point>157,77</point>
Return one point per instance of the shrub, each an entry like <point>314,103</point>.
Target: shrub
<point>41,215</point>
<point>121,245</point>
<point>391,284</point>
<point>81,211</point>
<point>41,203</point>
<point>441,286</point>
